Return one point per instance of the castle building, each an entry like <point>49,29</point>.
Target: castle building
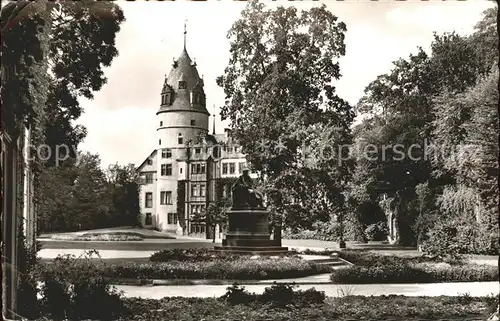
<point>190,168</point>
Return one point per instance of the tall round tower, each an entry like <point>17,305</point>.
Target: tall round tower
<point>182,118</point>
<point>183,113</point>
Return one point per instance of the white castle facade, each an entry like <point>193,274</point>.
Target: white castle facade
<point>190,168</point>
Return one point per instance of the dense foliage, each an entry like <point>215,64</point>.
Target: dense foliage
<point>237,269</point>
<point>376,268</point>
<point>342,309</point>
<point>405,273</point>
<point>79,195</point>
<point>281,100</point>
<point>443,192</point>
<point>74,41</point>
<point>192,255</point>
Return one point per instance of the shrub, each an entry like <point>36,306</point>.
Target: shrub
<point>310,235</point>
<point>76,289</point>
<point>238,295</point>
<point>27,261</point>
<point>309,297</point>
<point>404,273</point>
<point>238,269</point>
<point>191,255</point>
<point>442,240</point>
<point>449,238</point>
<point>376,232</point>
<point>279,295</point>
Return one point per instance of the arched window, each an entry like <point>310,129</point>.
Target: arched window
<point>180,139</point>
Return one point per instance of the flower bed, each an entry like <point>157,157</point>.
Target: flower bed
<point>372,268</point>
<point>200,255</point>
<point>237,269</point>
<point>342,309</point>
<point>110,236</point>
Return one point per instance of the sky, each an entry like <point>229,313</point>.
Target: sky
<point>121,119</point>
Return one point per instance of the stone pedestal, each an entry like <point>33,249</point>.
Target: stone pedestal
<point>248,233</point>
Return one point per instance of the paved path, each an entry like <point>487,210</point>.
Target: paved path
<point>333,290</point>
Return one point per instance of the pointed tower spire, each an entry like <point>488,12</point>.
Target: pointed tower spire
<point>213,131</point>
<point>185,32</point>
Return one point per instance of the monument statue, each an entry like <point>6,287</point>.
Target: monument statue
<point>244,195</point>
<point>248,222</point>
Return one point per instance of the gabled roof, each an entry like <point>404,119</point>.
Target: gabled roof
<point>153,153</point>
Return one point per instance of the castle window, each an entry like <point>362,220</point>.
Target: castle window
<point>193,122</point>
<point>166,169</point>
<point>172,218</point>
<point>180,140</point>
<point>159,141</point>
<point>194,190</point>
<point>166,198</point>
<point>241,167</point>
<point>182,84</point>
<point>149,161</point>
<point>149,200</point>
<point>166,153</point>
<point>197,151</point>
<point>180,170</point>
<point>224,168</point>
<point>149,219</point>
<point>232,168</point>
<point>161,123</point>
<point>167,99</point>
<point>202,190</point>
<point>149,178</point>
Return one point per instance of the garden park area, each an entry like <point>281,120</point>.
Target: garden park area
<point>357,235</point>
<point>232,286</point>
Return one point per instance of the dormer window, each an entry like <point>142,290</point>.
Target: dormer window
<point>166,99</point>
<point>182,84</point>
<point>196,98</point>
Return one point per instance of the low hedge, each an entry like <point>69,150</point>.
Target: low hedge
<point>200,255</point>
<point>341,309</point>
<point>238,269</point>
<point>405,273</point>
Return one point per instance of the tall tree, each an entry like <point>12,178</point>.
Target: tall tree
<point>77,196</point>
<point>82,44</point>
<point>422,101</point>
<point>282,103</point>
<point>122,182</point>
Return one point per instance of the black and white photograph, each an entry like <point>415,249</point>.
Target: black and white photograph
<point>250,160</point>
